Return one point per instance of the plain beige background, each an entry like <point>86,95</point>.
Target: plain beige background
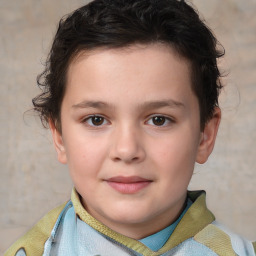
<point>33,182</point>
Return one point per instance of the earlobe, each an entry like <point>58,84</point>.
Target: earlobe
<point>58,143</point>
<point>208,137</point>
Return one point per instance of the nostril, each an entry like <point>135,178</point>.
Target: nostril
<point>116,159</point>
<point>134,159</point>
<point>127,159</point>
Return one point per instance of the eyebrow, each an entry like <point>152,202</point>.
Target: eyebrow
<point>146,105</point>
<point>162,103</point>
<point>91,104</point>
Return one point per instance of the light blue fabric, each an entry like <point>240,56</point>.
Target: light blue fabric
<point>57,227</point>
<point>20,252</point>
<point>156,241</point>
<point>76,238</point>
<point>73,237</point>
<point>191,248</point>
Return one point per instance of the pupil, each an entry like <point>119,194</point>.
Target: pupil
<point>158,120</point>
<point>97,120</point>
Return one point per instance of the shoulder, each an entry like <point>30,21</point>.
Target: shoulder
<point>210,233</point>
<point>223,241</point>
<point>32,243</point>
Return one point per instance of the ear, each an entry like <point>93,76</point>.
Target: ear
<point>208,137</point>
<point>58,143</point>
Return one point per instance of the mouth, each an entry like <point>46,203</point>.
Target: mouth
<point>128,185</point>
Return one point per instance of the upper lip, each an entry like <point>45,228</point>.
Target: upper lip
<point>129,179</point>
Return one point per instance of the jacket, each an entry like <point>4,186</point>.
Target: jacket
<point>70,230</point>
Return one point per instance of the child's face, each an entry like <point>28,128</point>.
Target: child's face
<point>131,135</point>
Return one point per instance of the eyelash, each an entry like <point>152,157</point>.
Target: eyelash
<point>166,120</point>
<point>86,120</point>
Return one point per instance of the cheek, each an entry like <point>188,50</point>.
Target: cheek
<point>176,153</point>
<point>85,155</point>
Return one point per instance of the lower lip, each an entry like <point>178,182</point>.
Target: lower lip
<point>129,188</point>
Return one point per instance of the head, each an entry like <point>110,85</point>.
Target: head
<point>119,24</point>
<point>131,95</point>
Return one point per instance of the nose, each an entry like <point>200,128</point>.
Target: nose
<point>127,145</point>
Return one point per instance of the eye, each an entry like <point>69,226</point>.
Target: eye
<point>95,121</point>
<point>159,121</point>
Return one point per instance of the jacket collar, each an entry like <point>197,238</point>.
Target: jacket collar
<point>196,218</point>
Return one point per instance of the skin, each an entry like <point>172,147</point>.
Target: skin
<point>146,137</point>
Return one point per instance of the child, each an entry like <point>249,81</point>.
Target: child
<point>130,93</point>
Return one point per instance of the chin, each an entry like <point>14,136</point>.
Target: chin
<point>130,216</point>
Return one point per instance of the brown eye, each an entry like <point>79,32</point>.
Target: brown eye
<point>95,121</point>
<point>159,120</point>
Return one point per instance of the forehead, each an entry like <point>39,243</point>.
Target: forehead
<point>147,54</point>
<point>143,68</point>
